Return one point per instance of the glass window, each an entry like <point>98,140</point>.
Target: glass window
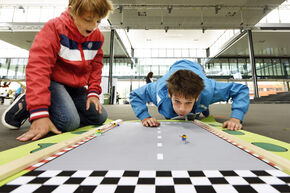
<point>259,66</point>
<point>3,69</point>
<point>278,70</point>
<point>215,69</point>
<point>268,67</point>
<point>249,67</point>
<point>233,66</point>
<point>58,11</point>
<point>164,69</point>
<point>286,66</point>
<point>177,52</point>
<point>185,52</point>
<point>273,16</point>
<point>19,15</point>
<point>225,67</point>
<point>201,53</point>
<point>154,52</point>
<point>123,88</point>
<point>33,14</point>
<point>138,53</point>
<point>12,69</point>
<point>193,52</point>
<point>155,70</point>
<point>162,52</point>
<point>284,15</point>
<point>6,14</point>
<point>46,14</point>
<point>242,66</point>
<point>146,53</point>
<point>169,52</point>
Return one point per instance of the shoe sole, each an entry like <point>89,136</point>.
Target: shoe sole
<point>5,112</point>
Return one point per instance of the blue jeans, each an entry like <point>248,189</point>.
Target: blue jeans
<point>68,108</point>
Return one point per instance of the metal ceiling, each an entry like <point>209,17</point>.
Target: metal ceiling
<point>181,15</point>
<point>190,14</point>
<point>25,39</point>
<point>266,43</point>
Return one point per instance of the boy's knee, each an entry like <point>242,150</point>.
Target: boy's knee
<point>99,118</point>
<point>68,122</point>
<point>103,117</point>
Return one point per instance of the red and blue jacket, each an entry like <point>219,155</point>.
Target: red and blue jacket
<point>60,53</point>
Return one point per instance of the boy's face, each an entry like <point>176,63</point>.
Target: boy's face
<point>86,23</point>
<point>181,105</point>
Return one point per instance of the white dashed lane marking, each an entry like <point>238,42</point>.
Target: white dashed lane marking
<point>159,144</point>
<point>160,156</point>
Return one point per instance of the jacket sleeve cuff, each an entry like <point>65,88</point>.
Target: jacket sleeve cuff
<point>144,115</point>
<point>145,119</point>
<point>38,113</point>
<point>238,114</point>
<point>93,94</point>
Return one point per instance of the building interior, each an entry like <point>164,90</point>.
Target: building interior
<point>245,41</point>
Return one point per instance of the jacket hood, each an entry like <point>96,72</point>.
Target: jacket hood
<point>67,20</point>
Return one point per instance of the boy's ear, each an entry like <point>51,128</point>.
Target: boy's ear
<point>168,94</point>
<point>197,98</point>
<point>70,10</point>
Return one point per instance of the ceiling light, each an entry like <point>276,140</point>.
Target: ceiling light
<point>217,8</point>
<point>166,29</point>
<point>143,13</point>
<point>242,18</point>
<point>121,8</point>
<point>169,8</point>
<point>21,7</point>
<point>266,9</point>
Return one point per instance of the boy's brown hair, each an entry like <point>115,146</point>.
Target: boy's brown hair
<point>185,83</point>
<point>100,8</point>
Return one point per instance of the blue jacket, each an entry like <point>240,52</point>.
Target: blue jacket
<point>157,93</point>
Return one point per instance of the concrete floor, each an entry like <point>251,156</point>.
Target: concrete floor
<point>272,120</point>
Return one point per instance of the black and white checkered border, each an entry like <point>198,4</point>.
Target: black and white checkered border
<point>202,125</point>
<point>123,181</point>
<point>62,151</point>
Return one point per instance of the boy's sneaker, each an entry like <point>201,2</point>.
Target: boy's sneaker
<point>206,113</point>
<point>16,114</point>
<point>191,116</point>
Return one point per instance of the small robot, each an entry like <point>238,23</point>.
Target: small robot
<point>115,124</point>
<point>98,132</point>
<point>183,138</point>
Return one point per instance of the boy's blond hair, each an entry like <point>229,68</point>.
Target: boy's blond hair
<point>185,83</point>
<point>100,8</point>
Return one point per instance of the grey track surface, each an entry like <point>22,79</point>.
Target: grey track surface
<point>134,147</point>
<point>271,120</point>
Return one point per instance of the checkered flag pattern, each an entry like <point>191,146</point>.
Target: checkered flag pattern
<point>120,181</point>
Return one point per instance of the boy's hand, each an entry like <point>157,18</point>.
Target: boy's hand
<point>150,122</point>
<point>233,124</point>
<point>39,128</point>
<point>95,101</point>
